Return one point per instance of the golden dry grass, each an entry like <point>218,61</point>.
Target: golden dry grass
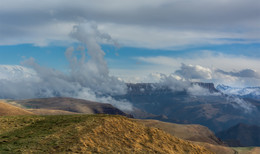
<point>247,150</point>
<point>198,134</point>
<point>218,149</point>
<point>50,112</point>
<point>188,132</point>
<point>87,134</point>
<point>119,134</point>
<point>8,110</point>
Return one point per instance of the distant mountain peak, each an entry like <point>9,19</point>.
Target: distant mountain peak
<point>16,72</point>
<point>248,92</point>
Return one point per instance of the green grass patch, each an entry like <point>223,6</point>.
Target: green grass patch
<point>23,134</point>
<point>243,149</point>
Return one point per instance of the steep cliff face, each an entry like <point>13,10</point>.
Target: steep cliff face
<point>209,86</point>
<point>155,88</point>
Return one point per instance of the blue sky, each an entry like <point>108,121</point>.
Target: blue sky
<point>53,56</point>
<point>155,36</point>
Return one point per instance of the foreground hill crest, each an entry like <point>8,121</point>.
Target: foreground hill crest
<point>87,133</point>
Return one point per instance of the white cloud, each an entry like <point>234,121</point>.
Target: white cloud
<point>88,78</point>
<point>194,72</point>
<point>206,59</point>
<point>197,90</point>
<point>204,65</point>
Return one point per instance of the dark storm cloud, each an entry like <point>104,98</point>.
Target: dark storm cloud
<point>22,18</point>
<point>185,13</point>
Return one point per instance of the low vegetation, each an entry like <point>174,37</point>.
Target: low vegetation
<point>86,133</point>
<point>191,132</point>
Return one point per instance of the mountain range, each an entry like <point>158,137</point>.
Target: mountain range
<point>216,110</point>
<point>196,134</point>
<point>67,133</point>
<point>247,92</point>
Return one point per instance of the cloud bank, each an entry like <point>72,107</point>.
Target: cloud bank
<point>194,72</point>
<point>237,71</point>
<point>158,23</point>
<point>88,76</point>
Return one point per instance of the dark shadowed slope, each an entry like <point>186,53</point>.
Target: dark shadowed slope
<point>241,135</point>
<point>215,111</point>
<point>8,110</point>
<point>71,105</point>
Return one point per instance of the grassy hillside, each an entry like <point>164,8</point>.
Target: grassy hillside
<point>7,110</point>
<point>87,133</point>
<point>50,112</point>
<point>247,150</point>
<point>198,134</point>
<point>188,132</point>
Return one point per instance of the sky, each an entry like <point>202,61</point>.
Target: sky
<point>132,41</point>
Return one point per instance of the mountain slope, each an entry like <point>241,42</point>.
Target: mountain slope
<point>247,92</point>
<point>8,110</point>
<point>87,133</point>
<point>50,112</point>
<point>241,135</point>
<point>188,132</point>
<point>213,110</point>
<point>70,105</point>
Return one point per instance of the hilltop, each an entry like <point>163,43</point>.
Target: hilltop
<point>87,133</point>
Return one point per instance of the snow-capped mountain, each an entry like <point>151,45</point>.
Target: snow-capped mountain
<point>249,92</point>
<point>16,72</point>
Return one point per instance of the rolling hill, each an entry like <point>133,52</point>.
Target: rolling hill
<point>196,133</point>
<point>188,132</point>
<point>68,105</point>
<point>33,129</point>
<point>87,133</point>
<point>50,112</point>
<point>9,110</point>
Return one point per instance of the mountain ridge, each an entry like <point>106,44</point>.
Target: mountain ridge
<point>71,105</point>
<point>246,92</point>
<point>241,135</point>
